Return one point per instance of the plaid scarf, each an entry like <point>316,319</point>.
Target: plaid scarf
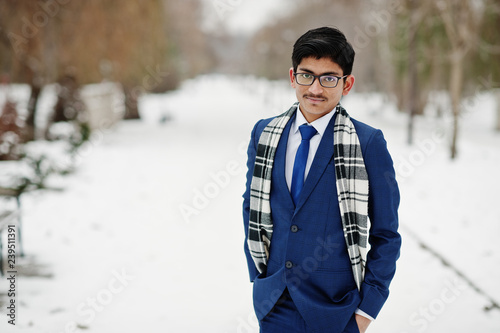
<point>352,189</point>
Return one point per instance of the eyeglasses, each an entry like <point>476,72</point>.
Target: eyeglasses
<point>327,81</point>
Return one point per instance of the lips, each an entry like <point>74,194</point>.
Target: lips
<point>315,99</point>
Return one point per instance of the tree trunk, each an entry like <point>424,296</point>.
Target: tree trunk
<point>131,106</point>
<point>456,83</point>
<point>412,64</point>
<point>496,93</point>
<point>30,127</point>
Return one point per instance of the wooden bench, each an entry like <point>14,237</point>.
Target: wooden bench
<point>10,217</point>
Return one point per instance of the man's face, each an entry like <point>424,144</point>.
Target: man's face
<point>316,100</point>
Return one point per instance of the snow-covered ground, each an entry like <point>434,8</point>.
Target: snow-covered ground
<point>147,234</point>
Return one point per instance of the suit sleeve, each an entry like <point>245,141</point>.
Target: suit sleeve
<point>251,152</point>
<point>384,239</point>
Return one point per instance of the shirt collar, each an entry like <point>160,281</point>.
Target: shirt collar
<point>319,124</point>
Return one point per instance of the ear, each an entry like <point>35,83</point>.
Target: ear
<point>349,83</point>
<point>292,78</point>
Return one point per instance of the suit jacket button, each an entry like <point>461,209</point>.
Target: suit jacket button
<point>294,228</point>
<point>288,264</point>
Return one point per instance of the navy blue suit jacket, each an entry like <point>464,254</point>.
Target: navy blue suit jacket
<point>308,254</point>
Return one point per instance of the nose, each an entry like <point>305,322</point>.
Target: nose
<point>316,88</point>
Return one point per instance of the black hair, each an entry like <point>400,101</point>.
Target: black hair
<point>324,42</point>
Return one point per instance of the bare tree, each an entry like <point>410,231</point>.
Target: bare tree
<point>122,41</point>
<point>412,61</point>
<point>461,21</point>
<point>488,49</point>
<point>22,41</point>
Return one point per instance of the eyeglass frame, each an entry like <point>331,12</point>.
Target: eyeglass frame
<point>319,78</point>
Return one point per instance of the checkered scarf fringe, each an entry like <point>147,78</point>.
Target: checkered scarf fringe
<point>352,189</point>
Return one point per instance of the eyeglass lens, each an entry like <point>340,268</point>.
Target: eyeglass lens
<point>325,80</point>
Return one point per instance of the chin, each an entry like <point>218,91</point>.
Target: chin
<point>318,110</point>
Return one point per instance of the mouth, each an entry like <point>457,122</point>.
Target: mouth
<point>314,99</point>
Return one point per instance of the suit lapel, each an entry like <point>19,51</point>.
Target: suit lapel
<point>279,166</point>
<point>321,159</point>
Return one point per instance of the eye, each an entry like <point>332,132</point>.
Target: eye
<point>306,76</point>
<point>329,78</point>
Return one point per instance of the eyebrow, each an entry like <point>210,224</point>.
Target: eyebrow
<point>311,72</point>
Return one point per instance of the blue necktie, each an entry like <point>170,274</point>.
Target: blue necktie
<point>299,166</point>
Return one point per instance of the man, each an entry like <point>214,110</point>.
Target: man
<point>320,186</point>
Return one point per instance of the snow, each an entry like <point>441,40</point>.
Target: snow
<point>147,236</point>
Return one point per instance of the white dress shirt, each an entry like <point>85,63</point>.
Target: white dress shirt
<point>294,139</point>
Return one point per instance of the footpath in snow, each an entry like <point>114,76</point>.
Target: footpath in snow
<point>147,234</point>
